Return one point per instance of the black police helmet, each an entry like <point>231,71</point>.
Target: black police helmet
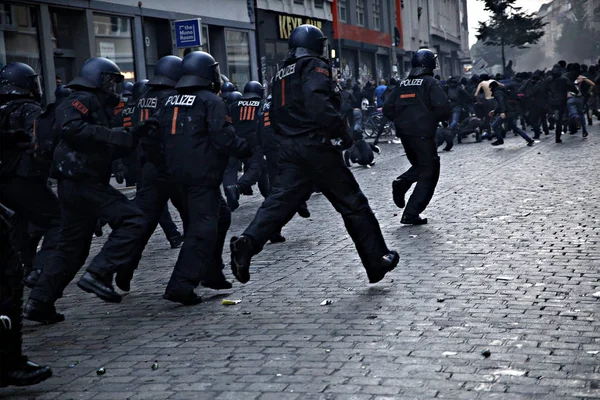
<point>424,61</point>
<point>19,79</point>
<point>61,93</point>
<point>227,87</point>
<point>127,88</point>
<point>139,88</point>
<point>167,72</point>
<point>98,73</point>
<point>199,69</point>
<point>233,97</point>
<point>310,38</point>
<point>254,89</point>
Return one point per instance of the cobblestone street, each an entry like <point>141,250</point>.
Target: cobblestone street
<point>494,298</point>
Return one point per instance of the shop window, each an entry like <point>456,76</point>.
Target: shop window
<point>318,3</point>
<point>342,11</point>
<point>238,56</point>
<point>115,42</point>
<point>19,36</point>
<point>360,12</point>
<point>377,14</point>
<point>69,46</point>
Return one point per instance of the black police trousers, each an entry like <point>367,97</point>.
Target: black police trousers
<point>303,163</point>
<point>253,167</point>
<point>208,219</point>
<point>152,199</point>
<point>149,175</point>
<point>11,301</point>
<point>421,152</point>
<point>82,203</point>
<point>33,201</point>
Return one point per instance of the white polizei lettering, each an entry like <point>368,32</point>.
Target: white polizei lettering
<point>181,100</point>
<point>283,72</point>
<point>150,102</point>
<point>411,82</point>
<point>128,111</point>
<point>243,103</point>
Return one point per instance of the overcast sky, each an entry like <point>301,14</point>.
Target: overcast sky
<point>476,13</point>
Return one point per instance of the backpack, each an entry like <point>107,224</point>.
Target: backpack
<point>45,135</point>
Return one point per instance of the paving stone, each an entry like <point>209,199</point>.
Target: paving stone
<point>528,214</point>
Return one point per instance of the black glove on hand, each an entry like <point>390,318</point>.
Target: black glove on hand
<point>146,128</point>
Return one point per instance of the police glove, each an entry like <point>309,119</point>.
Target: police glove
<point>115,137</point>
<point>146,128</point>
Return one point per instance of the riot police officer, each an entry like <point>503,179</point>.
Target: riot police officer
<point>24,170</point>
<point>245,115</point>
<point>82,166</point>
<point>305,112</point>
<point>198,140</point>
<point>416,106</point>
<point>226,89</point>
<point>15,368</point>
<point>156,189</point>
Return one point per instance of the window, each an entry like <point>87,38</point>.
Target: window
<point>114,41</point>
<point>299,2</point>
<point>360,12</point>
<point>19,41</point>
<point>342,11</point>
<point>318,3</point>
<point>238,57</point>
<point>377,14</point>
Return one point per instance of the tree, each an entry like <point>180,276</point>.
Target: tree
<point>509,26</point>
<point>577,40</point>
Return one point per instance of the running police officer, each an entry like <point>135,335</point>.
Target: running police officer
<point>416,106</point>
<point>245,115</point>
<point>198,140</point>
<point>156,189</point>
<point>305,111</point>
<point>82,166</point>
<point>23,172</point>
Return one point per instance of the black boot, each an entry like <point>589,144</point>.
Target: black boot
<point>241,256</point>
<point>303,210</point>
<point>24,373</point>
<point>399,189</point>
<point>413,220</point>
<point>176,241</point>
<point>387,263</point>
<point>216,280</point>
<point>187,299</point>
<point>277,238</point>
<point>42,312</point>
<point>100,286</point>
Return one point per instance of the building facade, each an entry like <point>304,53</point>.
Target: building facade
<point>363,32</point>
<point>441,26</point>
<point>55,37</point>
<point>275,20</point>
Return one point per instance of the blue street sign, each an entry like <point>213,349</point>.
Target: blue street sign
<point>188,33</point>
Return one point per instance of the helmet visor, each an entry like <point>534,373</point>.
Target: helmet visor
<point>36,87</point>
<point>112,83</point>
<point>325,48</point>
<point>217,78</point>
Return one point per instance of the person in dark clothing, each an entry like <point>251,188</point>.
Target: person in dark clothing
<point>384,120</point>
<point>155,189</point>
<point>505,114</point>
<point>198,140</point>
<point>416,106</point>
<point>15,367</point>
<point>535,100</point>
<point>558,88</point>
<point>244,114</point>
<point>24,168</point>
<point>82,166</point>
<point>459,102</point>
<point>305,113</point>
